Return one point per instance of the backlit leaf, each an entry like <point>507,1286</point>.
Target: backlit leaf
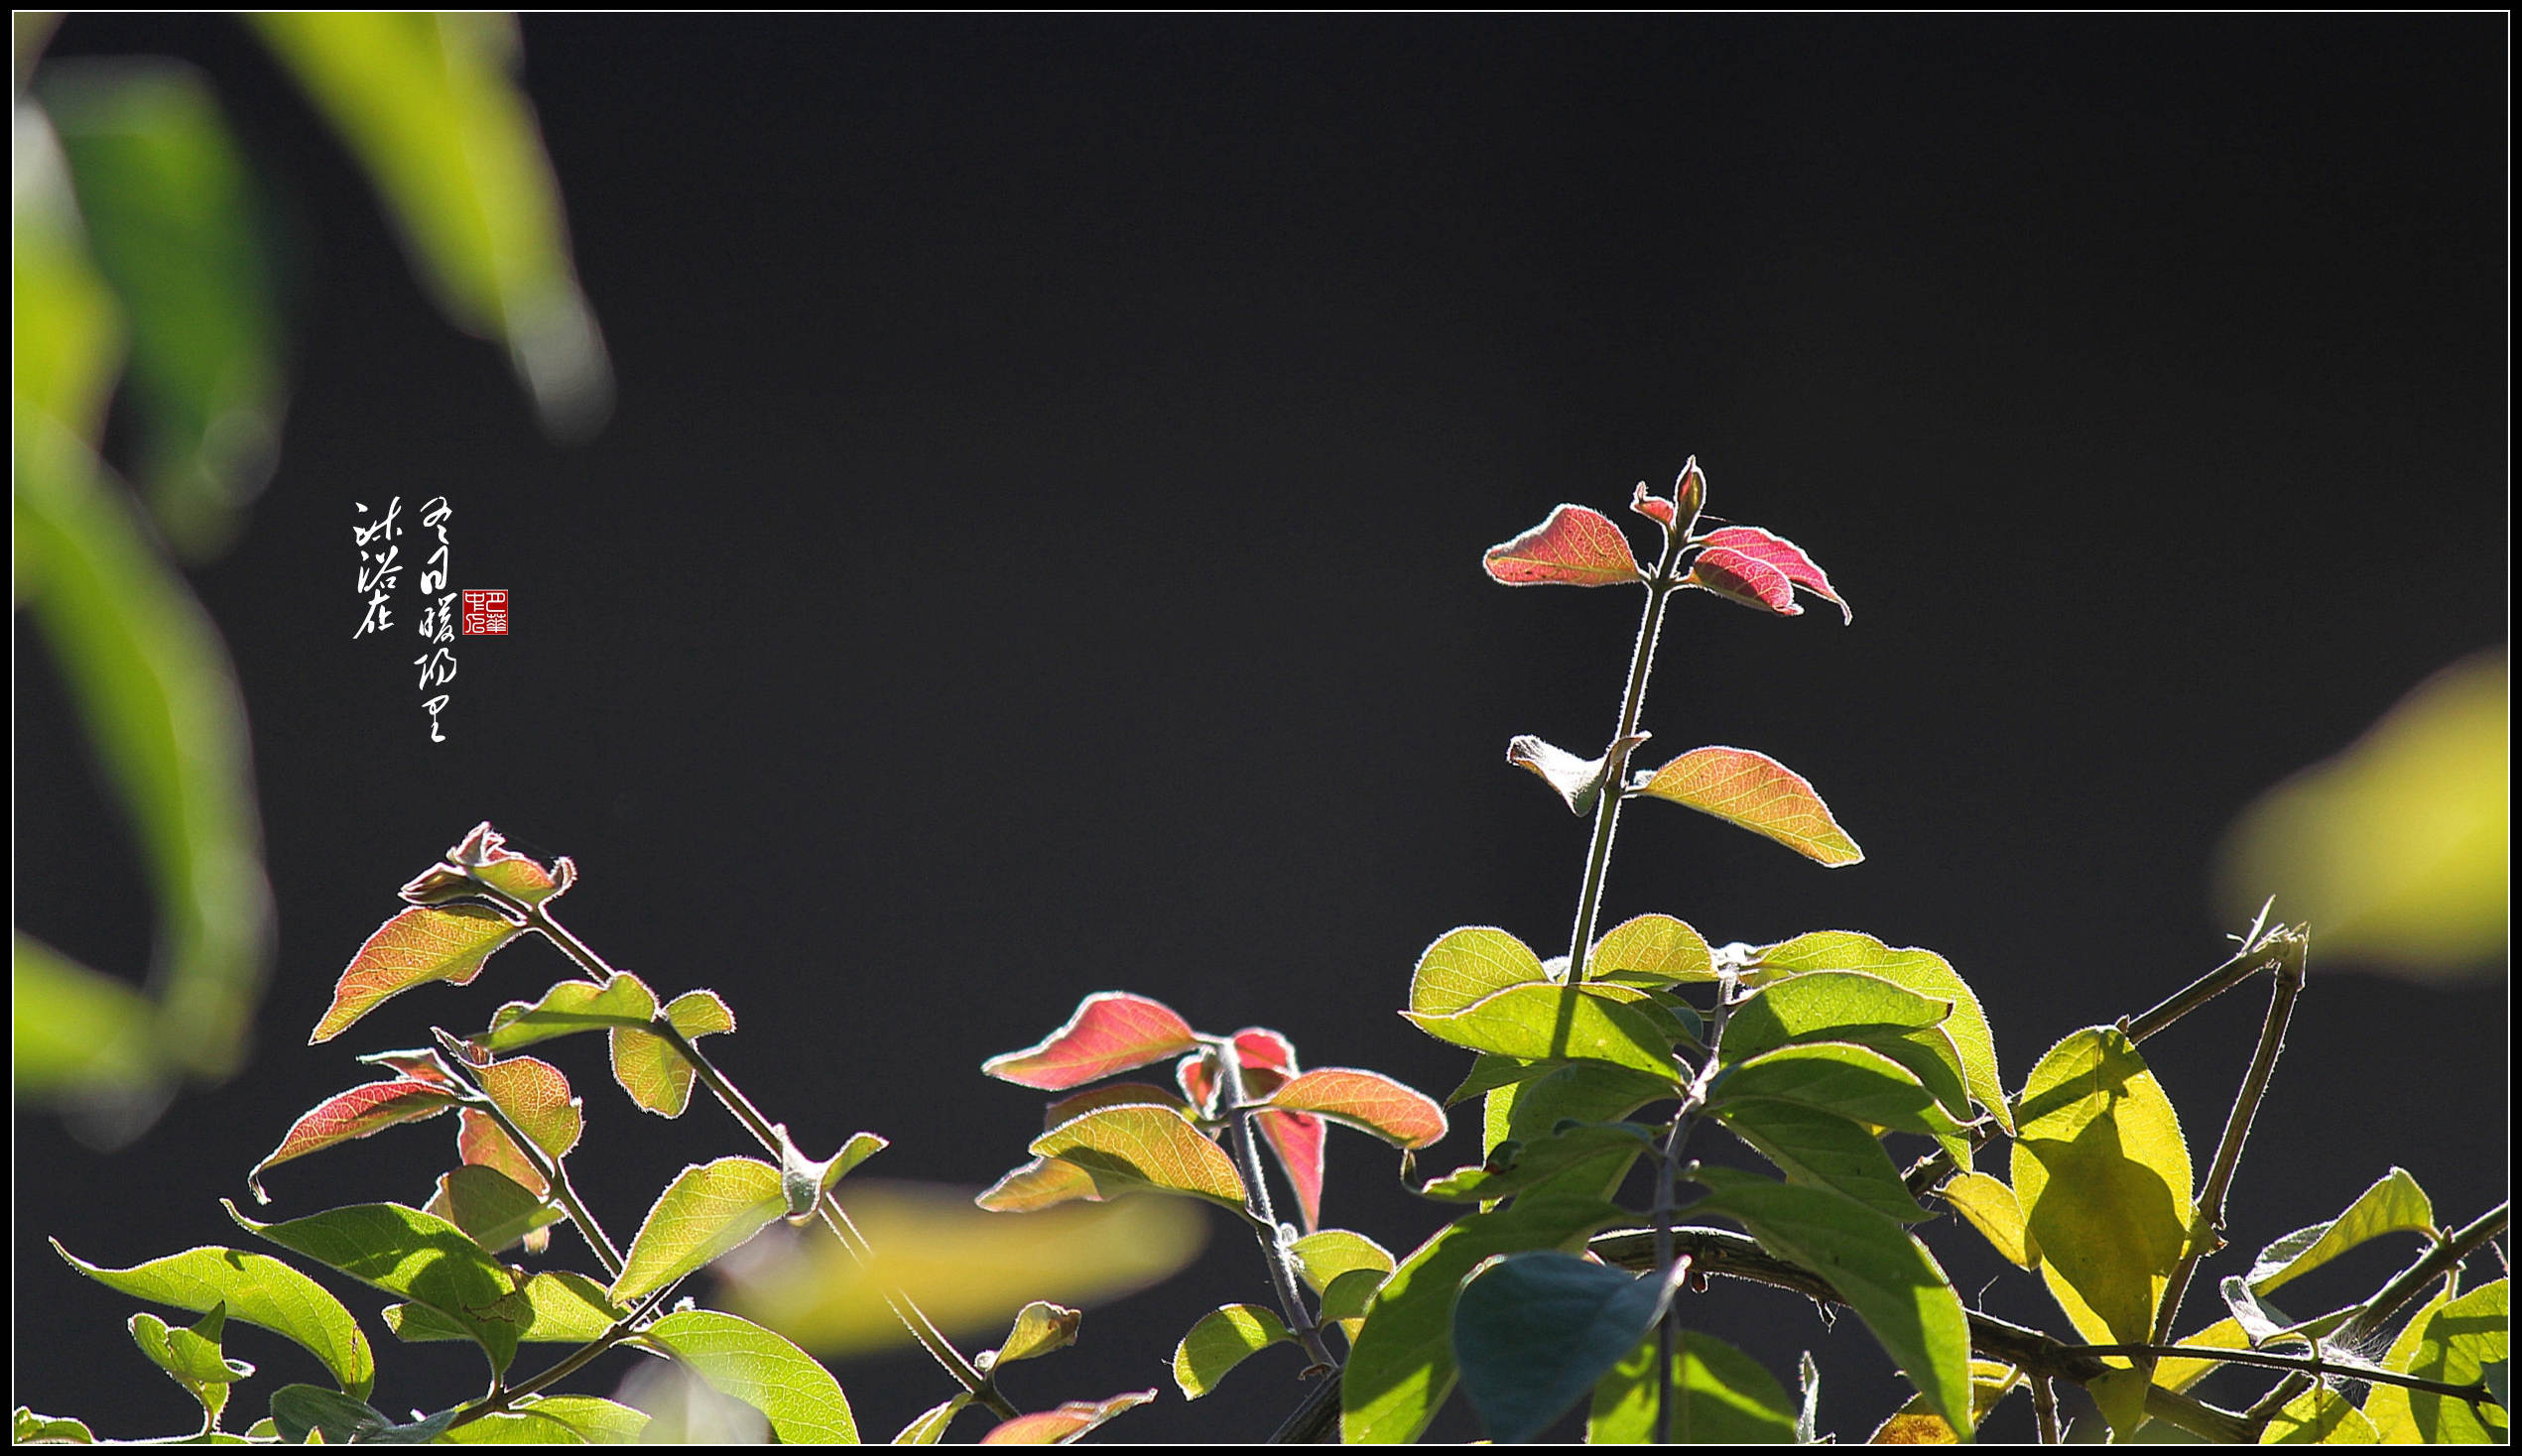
<point>1533,1333</point>
<point>479,1140</point>
<point>413,1255</point>
<point>1368,1101</point>
<point>1650,949</point>
<point>191,1357</point>
<point>1469,964</point>
<point>928,1427</point>
<point>742,1360</point>
<point>1758,793</point>
<point>1038,1184</point>
<point>30,1428</point>
<point>1402,1366</point>
<point>256,1289</point>
<point>572,1005</point>
<point>2387,1406</point>
<point>1511,1172</point>
<point>1784,556</point>
<point>2104,1178</point>
<point>74,1028</point>
<point>1572,547</point>
<point>1722,1396</point>
<point>559,1307</point>
<point>708,1209</point>
<point>2174,1373</point>
<point>495,1209</point>
<point>1841,1077</point>
<point>1915,1425</point>
<point>1345,1268</point>
<point>1223,1339</point>
<point>1110,1094</point>
<point>1555,1023</point>
<point>1922,971</point>
<point>1128,1150</point>
<point>353,1114</point>
<point>1064,1426</point>
<point>1296,1142</point>
<point>543,1420</point>
<point>1824,1150</point>
<point>2320,1416</point>
<point>1740,577</point>
<point>535,1097</point>
<point>1111,1032</point>
<point>1576,781</point>
<point>650,1069</point>
<point>1988,1206</point>
<point>1883,1272</point>
<point>2464,1341</point>
<point>418,946</point>
<point>1859,1007</point>
<point>1039,1328</point>
<point>2394,1205</point>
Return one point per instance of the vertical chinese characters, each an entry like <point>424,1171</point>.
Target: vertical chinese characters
<point>380,565</point>
<point>437,660</point>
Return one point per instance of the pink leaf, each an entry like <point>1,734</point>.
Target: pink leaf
<point>1369,1101</point>
<point>480,1142</point>
<point>1296,1138</point>
<point>1066,1424</point>
<point>1680,512</point>
<point>1575,546</point>
<point>1112,1031</point>
<point>1655,507</point>
<point>1759,793</point>
<point>1788,557</point>
<point>1743,578</point>
<point>353,1114</point>
<point>444,943</point>
<point>1260,1048</point>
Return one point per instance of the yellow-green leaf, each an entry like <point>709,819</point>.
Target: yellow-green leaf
<point>1911,968</point>
<point>420,946</point>
<point>1467,964</point>
<point>2394,1205</point>
<point>1555,1023</point>
<point>650,1069</point>
<point>1757,793</point>
<point>1650,949</point>
<point>1223,1339</point>
<point>2320,1416</point>
<point>1129,1149</point>
<point>1988,1206</point>
<point>707,1210</point>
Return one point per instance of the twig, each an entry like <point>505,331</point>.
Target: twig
<point>1258,1195</point>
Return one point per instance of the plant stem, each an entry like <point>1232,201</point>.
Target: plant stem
<point>1666,1169</point>
<point>741,1108</point>
<point>2291,948</point>
<point>2045,1410</point>
<point>2251,959</point>
<point>1607,815</point>
<point>1283,1278</point>
<point>555,1172</point>
<point>2309,1363</point>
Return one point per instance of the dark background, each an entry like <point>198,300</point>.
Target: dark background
<point>1037,551</point>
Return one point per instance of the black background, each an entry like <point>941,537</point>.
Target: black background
<point>1037,551</point>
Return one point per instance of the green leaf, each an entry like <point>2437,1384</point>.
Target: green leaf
<point>168,198</point>
<point>1837,1077</point>
<point>1914,1425</point>
<point>740,1359</point>
<point>2394,1205</point>
<point>1824,1150</point>
<point>357,1112</point>
<point>1129,1149</point>
<point>1402,1366</point>
<point>415,1255</point>
<point>75,1027</point>
<point>1533,1332</point>
<point>1581,1092</point>
<point>1756,792</point>
<point>30,1428</point>
<point>431,107</point>
<point>2104,1178</point>
<point>192,1358</point>
<point>1650,949</point>
<point>2320,1416</point>
<point>422,945</point>
<point>1561,1023</point>
<point>1490,1072</point>
<point>1066,1424</point>
<point>1223,1339</point>
<point>256,1289</point>
<point>1859,1007</point>
<point>650,1069</point>
<point>1039,1328</point>
<point>571,1006</point>
<point>1468,965</point>
<point>299,1409</point>
<point>557,1307</point>
<point>598,1422</point>
<point>1517,1165</point>
<point>2458,1341</point>
<point>1884,1275</point>
<point>803,1181</point>
<point>1988,1206</point>
<point>1922,971</point>
<point>707,1210</point>
<point>928,1427</point>
<point>492,1208</point>
<point>1345,1269</point>
<point>1722,1396</point>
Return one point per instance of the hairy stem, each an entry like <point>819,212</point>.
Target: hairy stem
<point>1274,1251</point>
<point>2312,1364</point>
<point>555,1172</point>
<point>2291,948</point>
<point>2045,1410</point>
<point>1606,814</point>
<point>741,1108</point>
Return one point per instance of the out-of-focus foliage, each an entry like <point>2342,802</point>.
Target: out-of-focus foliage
<point>2396,850</point>
<point>138,265</point>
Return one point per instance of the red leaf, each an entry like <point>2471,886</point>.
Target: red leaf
<point>1680,512</point>
<point>1369,1101</point>
<point>1112,1031</point>
<point>353,1114</point>
<point>1785,556</point>
<point>1296,1139</point>
<point>1261,1049</point>
<point>1743,578</point>
<point>1575,546</point>
<point>1759,793</point>
<point>478,1140</point>
<point>1655,507</point>
<point>1070,1421</point>
<point>440,943</point>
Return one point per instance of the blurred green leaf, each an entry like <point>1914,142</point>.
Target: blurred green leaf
<point>75,1027</point>
<point>431,105</point>
<point>2396,851</point>
<point>166,197</point>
